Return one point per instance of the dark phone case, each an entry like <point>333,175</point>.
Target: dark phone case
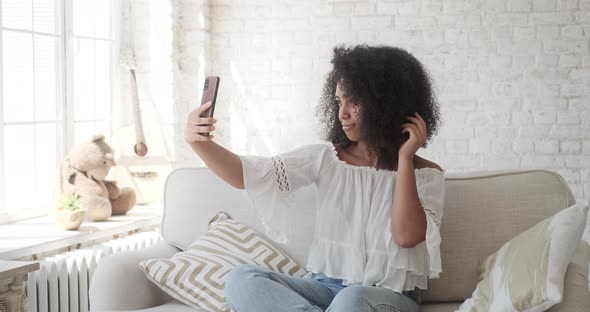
<point>210,88</point>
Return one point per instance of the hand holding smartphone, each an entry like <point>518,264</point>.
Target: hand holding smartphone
<point>210,89</point>
<point>200,121</point>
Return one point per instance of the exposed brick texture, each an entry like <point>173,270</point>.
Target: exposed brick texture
<point>512,76</point>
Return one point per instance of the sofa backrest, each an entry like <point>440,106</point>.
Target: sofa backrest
<point>482,211</point>
<point>193,196</point>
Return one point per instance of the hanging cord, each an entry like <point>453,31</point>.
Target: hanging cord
<point>128,60</point>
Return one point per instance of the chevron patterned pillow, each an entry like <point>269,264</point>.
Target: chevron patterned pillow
<point>197,275</point>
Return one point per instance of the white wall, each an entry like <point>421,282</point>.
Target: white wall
<point>512,77</point>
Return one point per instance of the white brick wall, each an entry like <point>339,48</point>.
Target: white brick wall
<point>512,76</point>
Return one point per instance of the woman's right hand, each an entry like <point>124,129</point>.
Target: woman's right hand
<point>197,124</point>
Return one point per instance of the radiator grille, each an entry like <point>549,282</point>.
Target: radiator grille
<point>62,282</point>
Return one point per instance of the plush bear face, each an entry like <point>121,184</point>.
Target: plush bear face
<point>100,173</point>
<point>94,157</point>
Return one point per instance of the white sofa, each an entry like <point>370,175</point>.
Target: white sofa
<point>482,211</point>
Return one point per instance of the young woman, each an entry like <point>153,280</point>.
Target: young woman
<point>379,206</point>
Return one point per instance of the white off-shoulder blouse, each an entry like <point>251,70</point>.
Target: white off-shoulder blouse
<point>352,239</point>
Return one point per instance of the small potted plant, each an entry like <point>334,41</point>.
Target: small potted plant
<point>68,212</point>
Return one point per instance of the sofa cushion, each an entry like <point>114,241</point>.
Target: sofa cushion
<point>575,284</point>
<point>197,276</point>
<point>527,272</point>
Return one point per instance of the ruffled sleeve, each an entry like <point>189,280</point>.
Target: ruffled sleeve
<point>407,268</point>
<point>272,182</point>
<point>430,185</point>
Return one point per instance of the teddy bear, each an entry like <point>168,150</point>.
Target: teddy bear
<point>83,172</point>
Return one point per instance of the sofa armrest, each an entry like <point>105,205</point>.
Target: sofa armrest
<point>119,284</point>
<point>576,296</point>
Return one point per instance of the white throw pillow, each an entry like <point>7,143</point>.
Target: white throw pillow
<point>197,276</point>
<point>527,273</point>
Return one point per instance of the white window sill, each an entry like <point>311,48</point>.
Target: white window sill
<point>28,239</point>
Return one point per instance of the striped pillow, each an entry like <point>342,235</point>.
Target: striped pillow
<point>197,275</point>
<point>527,273</point>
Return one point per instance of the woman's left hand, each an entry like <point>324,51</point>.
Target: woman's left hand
<point>417,130</point>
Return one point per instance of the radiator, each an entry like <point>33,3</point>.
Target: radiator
<point>62,282</point>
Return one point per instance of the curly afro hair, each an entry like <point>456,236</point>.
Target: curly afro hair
<point>388,84</point>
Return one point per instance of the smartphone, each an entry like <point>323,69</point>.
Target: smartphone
<point>209,94</point>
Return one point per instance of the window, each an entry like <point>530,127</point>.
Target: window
<point>57,63</point>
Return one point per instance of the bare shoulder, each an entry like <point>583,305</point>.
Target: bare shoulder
<point>420,162</point>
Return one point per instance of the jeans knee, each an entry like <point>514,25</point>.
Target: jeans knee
<point>351,298</point>
<point>238,277</point>
<point>374,299</point>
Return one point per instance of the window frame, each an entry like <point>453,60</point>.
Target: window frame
<point>3,215</point>
<point>64,118</point>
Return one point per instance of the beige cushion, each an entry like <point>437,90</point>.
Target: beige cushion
<point>484,210</point>
<point>576,296</point>
<point>197,276</point>
<point>527,273</point>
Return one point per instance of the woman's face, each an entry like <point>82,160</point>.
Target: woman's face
<point>349,116</point>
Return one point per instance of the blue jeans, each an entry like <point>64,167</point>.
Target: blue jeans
<point>250,288</point>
